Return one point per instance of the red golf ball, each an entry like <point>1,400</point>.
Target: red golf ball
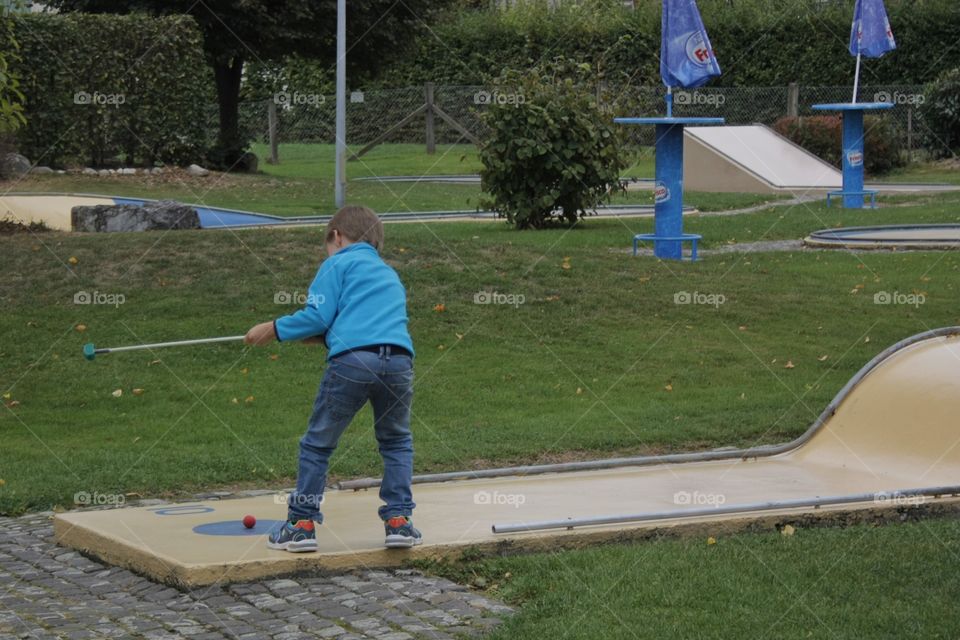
<point>249,522</point>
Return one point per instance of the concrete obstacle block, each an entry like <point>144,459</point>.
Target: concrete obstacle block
<point>152,216</point>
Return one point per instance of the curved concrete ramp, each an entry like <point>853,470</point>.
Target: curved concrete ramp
<point>893,428</point>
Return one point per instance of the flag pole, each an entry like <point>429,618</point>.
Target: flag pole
<point>856,78</point>
<point>669,101</point>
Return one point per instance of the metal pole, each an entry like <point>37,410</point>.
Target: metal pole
<point>176,343</point>
<point>669,102</point>
<point>856,78</point>
<point>272,132</point>
<point>340,180</point>
<point>880,498</point>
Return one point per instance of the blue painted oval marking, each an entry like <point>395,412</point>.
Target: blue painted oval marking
<point>236,528</point>
<point>186,510</point>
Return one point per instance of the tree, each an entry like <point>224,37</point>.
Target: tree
<point>235,32</point>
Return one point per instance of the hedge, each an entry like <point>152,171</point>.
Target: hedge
<point>102,90</point>
<point>758,42</point>
<point>823,137</point>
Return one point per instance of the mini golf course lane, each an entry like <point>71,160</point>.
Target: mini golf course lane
<point>893,428</point>
<point>913,236</point>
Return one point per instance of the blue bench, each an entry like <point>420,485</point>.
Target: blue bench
<point>692,238</point>
<point>869,192</point>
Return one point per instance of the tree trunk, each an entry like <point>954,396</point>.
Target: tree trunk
<point>230,145</point>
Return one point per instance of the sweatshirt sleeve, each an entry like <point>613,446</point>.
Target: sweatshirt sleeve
<point>320,309</point>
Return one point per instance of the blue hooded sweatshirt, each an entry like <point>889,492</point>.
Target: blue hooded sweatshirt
<point>355,300</point>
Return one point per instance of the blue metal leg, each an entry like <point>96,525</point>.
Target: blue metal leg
<point>853,159</point>
<point>668,191</point>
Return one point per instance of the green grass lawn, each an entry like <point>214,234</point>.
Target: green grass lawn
<point>598,360</point>
<point>302,184</point>
<point>897,581</point>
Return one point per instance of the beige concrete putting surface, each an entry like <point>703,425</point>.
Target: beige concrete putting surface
<point>52,210</point>
<point>893,428</point>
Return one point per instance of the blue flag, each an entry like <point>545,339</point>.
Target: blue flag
<point>870,34</point>
<point>686,57</point>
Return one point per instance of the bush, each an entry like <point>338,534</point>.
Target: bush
<point>823,137</point>
<point>940,114</point>
<point>553,153</point>
<point>107,89</point>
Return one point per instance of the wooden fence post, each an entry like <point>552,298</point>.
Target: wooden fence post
<point>793,100</point>
<point>431,140</point>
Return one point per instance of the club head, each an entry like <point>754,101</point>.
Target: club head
<point>89,352</point>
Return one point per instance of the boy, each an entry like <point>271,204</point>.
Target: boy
<point>357,305</point>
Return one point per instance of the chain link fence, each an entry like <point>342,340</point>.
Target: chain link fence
<point>449,114</point>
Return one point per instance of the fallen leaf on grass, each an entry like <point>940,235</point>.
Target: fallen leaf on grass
<point>823,358</point>
<point>73,260</point>
<point>81,328</point>
<point>248,400</point>
<point>274,356</point>
<point>440,308</point>
<point>138,392</point>
<point>711,540</point>
<point>789,365</point>
<point>668,387</point>
<point>787,530</point>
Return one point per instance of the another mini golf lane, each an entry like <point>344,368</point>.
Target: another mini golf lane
<point>915,236</point>
<point>894,427</point>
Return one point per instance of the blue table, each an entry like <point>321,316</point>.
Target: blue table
<point>852,113</point>
<point>668,236</point>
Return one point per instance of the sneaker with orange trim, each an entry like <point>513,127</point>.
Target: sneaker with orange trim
<point>296,537</point>
<point>401,534</point>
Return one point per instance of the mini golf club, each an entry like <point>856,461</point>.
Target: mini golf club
<point>90,352</point>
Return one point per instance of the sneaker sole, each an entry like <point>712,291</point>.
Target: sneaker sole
<point>402,542</point>
<point>293,547</point>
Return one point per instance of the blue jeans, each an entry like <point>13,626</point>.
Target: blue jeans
<point>352,379</point>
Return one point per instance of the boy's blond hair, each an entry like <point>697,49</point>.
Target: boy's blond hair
<point>357,224</point>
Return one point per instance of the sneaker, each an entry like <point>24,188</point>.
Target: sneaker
<point>401,534</point>
<point>296,537</point>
